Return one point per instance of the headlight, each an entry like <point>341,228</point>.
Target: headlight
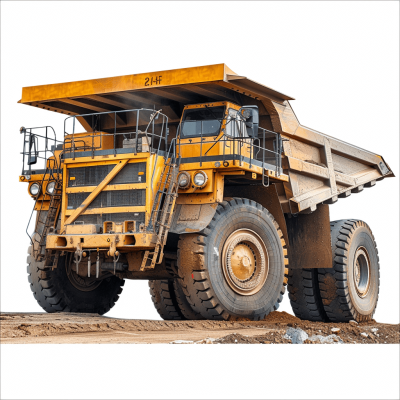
<point>184,180</point>
<point>34,189</point>
<point>50,187</point>
<point>200,179</point>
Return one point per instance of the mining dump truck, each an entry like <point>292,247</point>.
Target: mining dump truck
<point>202,182</point>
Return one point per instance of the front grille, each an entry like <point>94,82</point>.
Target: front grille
<point>139,217</point>
<point>111,198</point>
<point>92,176</point>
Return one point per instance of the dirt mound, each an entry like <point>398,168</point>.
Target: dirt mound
<point>93,328</point>
<point>237,338</point>
<point>273,317</point>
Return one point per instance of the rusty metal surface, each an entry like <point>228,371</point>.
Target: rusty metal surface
<point>310,239</point>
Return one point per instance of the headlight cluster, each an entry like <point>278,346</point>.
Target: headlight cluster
<point>199,180</point>
<point>50,187</point>
<point>184,180</point>
<point>34,189</point>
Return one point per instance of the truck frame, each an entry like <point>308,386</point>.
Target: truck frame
<point>203,182</point>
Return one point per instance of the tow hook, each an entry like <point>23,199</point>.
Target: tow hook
<point>78,256</point>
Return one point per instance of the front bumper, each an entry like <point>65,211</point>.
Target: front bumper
<point>120,241</point>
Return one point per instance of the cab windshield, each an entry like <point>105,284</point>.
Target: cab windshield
<point>202,121</point>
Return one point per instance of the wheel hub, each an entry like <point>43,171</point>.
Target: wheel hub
<point>245,262</point>
<point>361,272</point>
<point>84,284</point>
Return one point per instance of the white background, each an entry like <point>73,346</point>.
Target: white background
<point>340,60</point>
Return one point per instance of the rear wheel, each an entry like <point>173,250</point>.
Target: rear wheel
<point>62,289</point>
<point>169,300</point>
<point>350,289</point>
<point>304,295</point>
<point>236,266</point>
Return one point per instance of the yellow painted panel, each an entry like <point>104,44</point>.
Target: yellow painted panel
<point>209,73</point>
<point>109,210</point>
<point>106,159</point>
<point>124,186</point>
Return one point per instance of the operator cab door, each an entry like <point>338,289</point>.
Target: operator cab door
<point>236,139</point>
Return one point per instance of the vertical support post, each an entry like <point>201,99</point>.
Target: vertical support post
<point>327,157</point>
<point>115,131</point>
<point>73,139</point>
<point>137,128</point>
<point>201,144</point>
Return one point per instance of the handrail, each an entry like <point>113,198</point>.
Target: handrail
<point>30,135</point>
<point>134,130</point>
<point>237,143</point>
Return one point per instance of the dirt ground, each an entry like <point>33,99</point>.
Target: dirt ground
<point>278,327</point>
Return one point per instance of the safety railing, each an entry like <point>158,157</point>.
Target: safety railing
<point>38,158</point>
<point>38,146</point>
<point>264,150</point>
<point>142,130</point>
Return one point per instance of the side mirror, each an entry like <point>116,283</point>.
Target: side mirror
<point>33,154</point>
<point>250,115</point>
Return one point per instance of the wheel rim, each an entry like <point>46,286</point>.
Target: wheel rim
<point>245,262</point>
<point>84,284</point>
<point>362,272</point>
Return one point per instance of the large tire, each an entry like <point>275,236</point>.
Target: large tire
<point>346,297</point>
<point>249,285</point>
<point>169,300</point>
<point>183,304</point>
<point>55,292</point>
<point>304,295</point>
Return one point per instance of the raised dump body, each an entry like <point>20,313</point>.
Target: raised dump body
<point>168,162</point>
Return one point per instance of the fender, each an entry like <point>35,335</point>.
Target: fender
<point>191,218</point>
<point>307,236</point>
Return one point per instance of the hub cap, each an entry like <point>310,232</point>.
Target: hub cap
<point>361,272</point>
<point>245,262</point>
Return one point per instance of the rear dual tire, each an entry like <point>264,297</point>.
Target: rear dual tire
<point>170,302</point>
<point>347,291</point>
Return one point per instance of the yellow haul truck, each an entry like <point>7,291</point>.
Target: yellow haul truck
<point>203,182</point>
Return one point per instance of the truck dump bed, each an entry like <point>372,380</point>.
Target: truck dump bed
<point>321,168</point>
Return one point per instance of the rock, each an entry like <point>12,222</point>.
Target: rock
<point>353,322</point>
<point>295,335</point>
<point>335,329</point>
<point>205,341</point>
<point>326,339</point>
<point>373,330</point>
<point>182,342</point>
<point>364,334</point>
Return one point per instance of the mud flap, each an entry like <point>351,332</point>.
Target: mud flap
<point>310,239</point>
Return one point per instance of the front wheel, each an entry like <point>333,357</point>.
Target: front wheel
<point>237,266</point>
<point>62,289</point>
